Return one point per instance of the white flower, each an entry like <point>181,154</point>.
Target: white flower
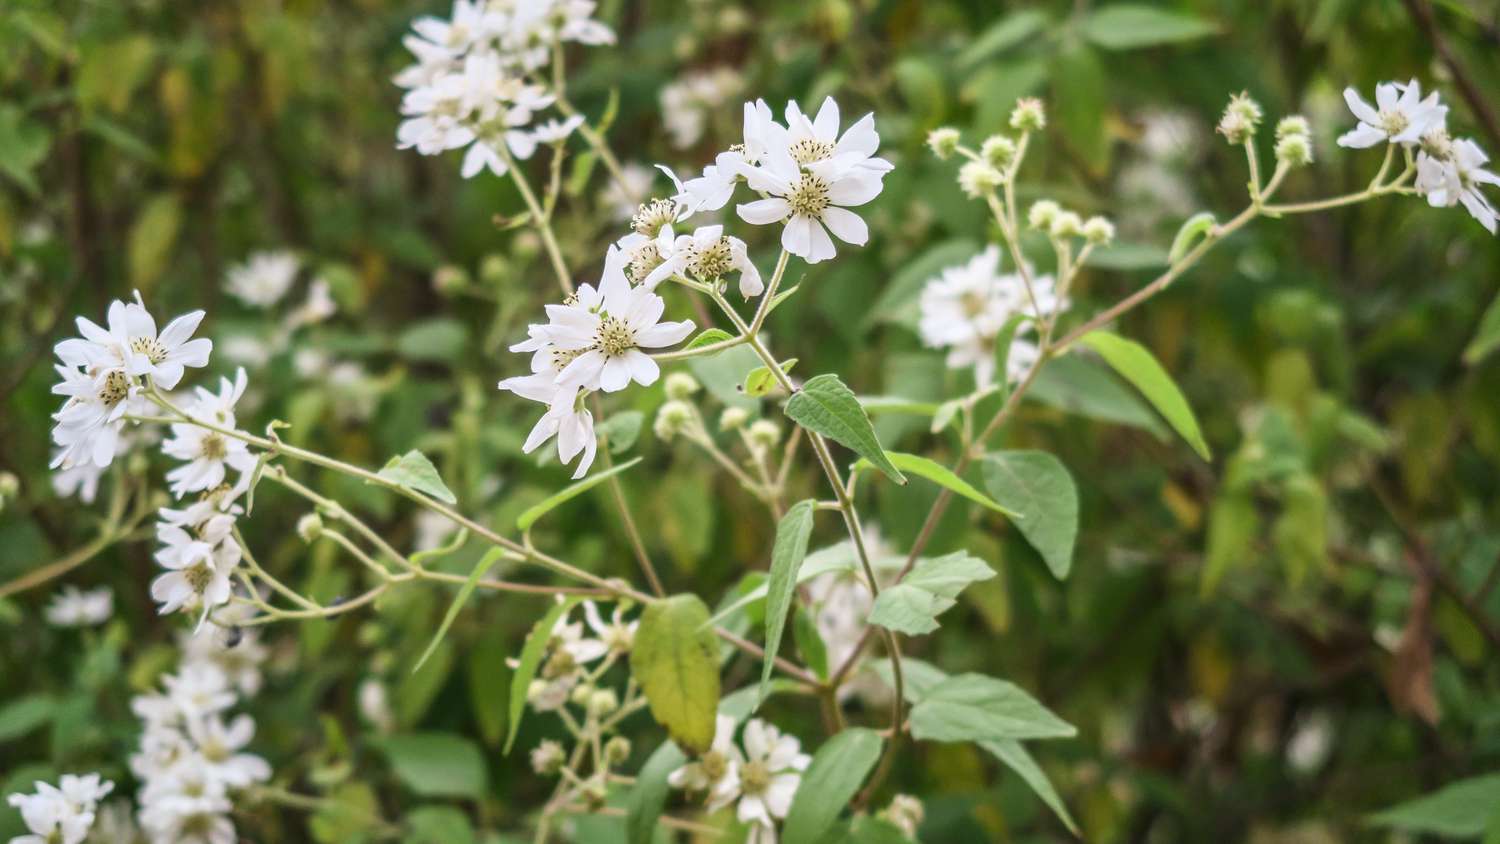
<point>375,705</point>
<point>132,344</point>
<point>1402,116</point>
<point>209,453</point>
<point>263,278</point>
<point>318,306</point>
<point>712,190</point>
<point>707,254</point>
<point>703,773</point>
<point>80,479</point>
<point>199,560</point>
<point>469,24</point>
<point>60,814</point>
<point>814,178</point>
<point>219,742</point>
<point>556,131</point>
<point>566,418</point>
<point>74,608</point>
<point>686,102</point>
<point>92,416</point>
<point>767,779</point>
<point>614,636</point>
<point>966,306</point>
<point>1450,172</point>
<point>622,199</point>
<point>608,328</point>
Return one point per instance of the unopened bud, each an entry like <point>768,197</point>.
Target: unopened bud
<point>1294,150</point>
<point>671,419</point>
<point>547,758</point>
<point>681,385</point>
<point>999,151</point>
<point>449,279</point>
<point>1293,125</point>
<point>733,418</point>
<point>1028,116</point>
<point>1098,231</point>
<point>905,813</point>
<point>1241,119</point>
<point>1042,213</point>
<point>977,179</point>
<point>602,702</point>
<point>764,433</point>
<point>581,694</point>
<point>617,750</point>
<point>1066,224</point>
<point>310,527</point>
<point>943,141</point>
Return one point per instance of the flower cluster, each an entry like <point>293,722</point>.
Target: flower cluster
<point>102,374</point>
<point>191,756</point>
<point>572,657</point>
<point>763,778</point>
<point>199,552</point>
<point>1449,170</point>
<point>808,174</point>
<point>60,814</point>
<point>687,102</point>
<point>471,84</point>
<point>964,309</point>
<point>593,341</point>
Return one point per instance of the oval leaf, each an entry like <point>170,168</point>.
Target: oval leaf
<point>829,783</point>
<point>1127,26</point>
<point>436,764</point>
<point>414,471</point>
<point>825,406</point>
<point>1038,486</point>
<point>531,657</point>
<point>973,707</point>
<point>650,793</point>
<point>912,606</point>
<point>676,660</point>
<point>1137,365</point>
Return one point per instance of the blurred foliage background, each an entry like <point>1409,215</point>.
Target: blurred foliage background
<point>1268,647</point>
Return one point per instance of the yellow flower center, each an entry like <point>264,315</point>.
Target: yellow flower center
<point>809,195</point>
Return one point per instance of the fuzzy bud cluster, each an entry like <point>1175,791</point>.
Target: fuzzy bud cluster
<point>978,179</point>
<point>1294,141</point>
<point>1241,119</point>
<point>999,152</point>
<point>943,141</point>
<point>1028,115</point>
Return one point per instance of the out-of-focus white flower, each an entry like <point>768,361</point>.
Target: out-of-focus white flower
<point>375,705</point>
<point>72,607</point>
<point>705,772</point>
<point>686,102</point>
<point>707,255</point>
<point>318,306</point>
<point>766,780</point>
<point>1400,115</point>
<point>966,306</point>
<point>263,278</point>
<point>813,178</point>
<point>209,453</point>
<point>80,479</point>
<point>60,814</point>
<point>623,199</point>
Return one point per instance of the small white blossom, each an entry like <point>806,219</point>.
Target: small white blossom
<point>263,278</point>
<point>707,255</point>
<point>1400,115</point>
<point>1450,172</point>
<point>72,607</point>
<point>966,306</point>
<point>209,454</point>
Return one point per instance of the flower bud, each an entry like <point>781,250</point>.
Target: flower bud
<point>602,702</point>
<point>1028,116</point>
<point>9,486</point>
<point>581,694</point>
<point>681,385</point>
<point>310,527</point>
<point>493,270</point>
<point>999,151</point>
<point>1042,213</point>
<point>943,141</point>
<point>449,279</point>
<point>1098,231</point>
<point>1066,224</point>
<point>547,758</point>
<point>764,433</point>
<point>617,750</point>
<point>1241,119</point>
<point>733,418</point>
<point>1294,151</point>
<point>905,813</point>
<point>1293,125</point>
<point>977,179</point>
<point>671,419</point>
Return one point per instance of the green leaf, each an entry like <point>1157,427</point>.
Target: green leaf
<point>1015,757</point>
<point>1487,337</point>
<point>1460,809</point>
<point>1127,26</point>
<point>761,381</point>
<point>526,667</point>
<point>1038,486</point>
<point>621,430</point>
<point>529,518</point>
<point>1080,103</point>
<point>675,658</point>
<point>25,714</point>
<point>829,783</point>
<point>1003,342</point>
<point>414,471</point>
<point>1137,365</point>
<point>650,793</point>
<point>825,406</point>
<point>346,814</point>
<point>792,533</point>
<point>1081,385</point>
<point>939,474</point>
<point>464,592</point>
<point>23,145</point>
<point>441,340</point>
<point>866,829</point>
<point>1128,256</point>
<point>740,703</point>
<point>932,587</point>
<point>489,683</point>
<point>436,764</point>
<point>1233,524</point>
<point>973,707</point>
<point>1013,30</point>
<point>438,825</point>
<point>876,405</point>
<point>810,642</point>
<point>708,337</point>
<point>781,297</point>
<point>1199,225</point>
<point>149,248</point>
<point>1300,533</point>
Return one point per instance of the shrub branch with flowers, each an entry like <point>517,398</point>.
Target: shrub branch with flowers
<point>602,650</point>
